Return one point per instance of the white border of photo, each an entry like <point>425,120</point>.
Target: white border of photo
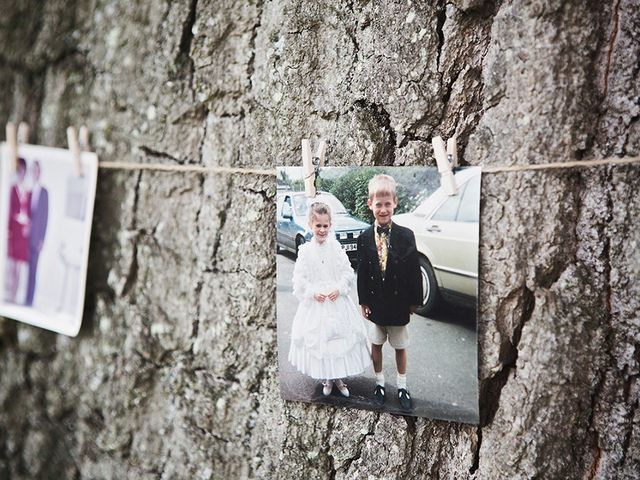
<point>56,164</point>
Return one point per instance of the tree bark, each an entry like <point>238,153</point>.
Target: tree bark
<point>174,372</point>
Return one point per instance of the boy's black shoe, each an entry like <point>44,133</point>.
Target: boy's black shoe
<point>379,395</point>
<point>405,399</point>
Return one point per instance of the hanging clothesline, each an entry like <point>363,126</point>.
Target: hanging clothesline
<point>272,172</point>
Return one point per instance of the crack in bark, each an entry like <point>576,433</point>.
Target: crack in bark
<point>409,134</point>
<point>157,364</point>
<point>190,422</point>
<point>612,39</point>
<point>132,273</point>
<point>327,448</point>
<point>183,61</point>
<point>508,355</point>
<point>361,441</point>
<point>254,387</point>
<point>577,202</point>
<point>195,325</point>
<point>594,434</point>
<point>197,113</point>
<point>354,40</point>
<point>267,195</point>
<point>491,390</point>
<point>440,21</point>
<point>252,44</point>
<point>608,340</point>
<point>159,154</point>
<point>632,122</point>
<point>476,453</point>
<point>223,219</point>
<point>386,154</point>
<point>412,433</point>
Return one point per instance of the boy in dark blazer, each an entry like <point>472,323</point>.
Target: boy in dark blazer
<point>389,284</point>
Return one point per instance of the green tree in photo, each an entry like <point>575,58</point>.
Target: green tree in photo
<point>413,186</point>
<point>297,185</point>
<point>352,190</point>
<point>324,184</point>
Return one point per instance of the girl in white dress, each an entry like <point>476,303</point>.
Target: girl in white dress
<point>328,336</point>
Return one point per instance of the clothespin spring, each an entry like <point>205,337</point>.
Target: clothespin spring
<point>316,172</point>
<point>447,160</point>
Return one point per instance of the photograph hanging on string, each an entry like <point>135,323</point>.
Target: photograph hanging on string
<point>377,288</point>
<point>46,211</point>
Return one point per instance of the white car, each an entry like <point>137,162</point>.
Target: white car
<point>447,234</point>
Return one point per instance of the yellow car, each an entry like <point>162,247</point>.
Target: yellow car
<point>447,235</point>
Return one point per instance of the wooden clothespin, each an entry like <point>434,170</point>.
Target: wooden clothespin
<point>74,148</point>
<point>12,144</point>
<point>23,132</point>
<point>446,160</point>
<point>15,138</point>
<point>83,135</point>
<point>311,165</point>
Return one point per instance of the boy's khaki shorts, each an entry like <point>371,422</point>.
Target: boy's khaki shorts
<point>398,336</point>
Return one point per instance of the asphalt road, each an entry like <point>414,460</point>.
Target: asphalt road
<point>442,362</point>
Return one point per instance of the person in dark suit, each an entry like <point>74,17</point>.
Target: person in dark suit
<point>389,284</point>
<point>39,220</point>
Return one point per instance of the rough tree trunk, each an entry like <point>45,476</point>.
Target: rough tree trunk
<point>174,372</point>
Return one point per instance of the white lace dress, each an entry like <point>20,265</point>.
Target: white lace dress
<point>328,340</point>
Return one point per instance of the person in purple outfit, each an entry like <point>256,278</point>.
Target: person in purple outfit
<point>39,207</point>
<point>18,230</point>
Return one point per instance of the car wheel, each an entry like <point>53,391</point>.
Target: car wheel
<point>430,293</point>
<point>299,241</point>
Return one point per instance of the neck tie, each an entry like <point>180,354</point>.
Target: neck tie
<point>382,244</point>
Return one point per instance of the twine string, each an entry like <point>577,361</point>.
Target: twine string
<point>272,172</point>
<point>561,165</point>
<point>161,167</point>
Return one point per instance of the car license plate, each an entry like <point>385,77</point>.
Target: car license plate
<point>349,247</point>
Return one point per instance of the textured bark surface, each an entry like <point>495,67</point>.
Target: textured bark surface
<point>174,372</point>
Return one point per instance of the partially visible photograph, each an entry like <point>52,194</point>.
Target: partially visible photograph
<point>46,210</point>
<point>377,287</point>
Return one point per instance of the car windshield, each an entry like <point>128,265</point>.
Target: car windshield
<point>439,206</point>
<point>301,204</point>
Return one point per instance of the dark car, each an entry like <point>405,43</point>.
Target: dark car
<point>293,227</point>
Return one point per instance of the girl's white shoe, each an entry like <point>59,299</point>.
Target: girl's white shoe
<point>327,386</point>
<point>343,388</point>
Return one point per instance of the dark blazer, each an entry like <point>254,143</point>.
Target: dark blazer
<point>389,299</point>
<point>39,219</point>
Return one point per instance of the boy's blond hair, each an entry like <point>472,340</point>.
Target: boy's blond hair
<point>382,184</point>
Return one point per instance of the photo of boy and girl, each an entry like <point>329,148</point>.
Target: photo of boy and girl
<point>329,340</point>
<point>331,337</point>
